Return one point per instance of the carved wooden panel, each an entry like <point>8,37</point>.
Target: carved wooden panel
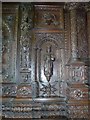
<point>50,63</point>
<point>37,43</point>
<point>47,16</point>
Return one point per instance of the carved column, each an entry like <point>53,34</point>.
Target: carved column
<point>73,34</point>
<point>88,26</point>
<point>72,7</point>
<point>88,33</point>
<point>77,89</point>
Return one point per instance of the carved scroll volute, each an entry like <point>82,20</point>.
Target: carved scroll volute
<point>48,63</point>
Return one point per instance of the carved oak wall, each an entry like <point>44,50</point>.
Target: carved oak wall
<point>45,63</point>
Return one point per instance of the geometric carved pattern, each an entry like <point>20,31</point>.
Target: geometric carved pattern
<point>78,74</point>
<point>78,91</point>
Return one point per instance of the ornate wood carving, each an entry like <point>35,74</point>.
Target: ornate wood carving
<point>47,16</point>
<point>49,87</point>
<point>43,87</point>
<point>82,35</point>
<point>25,51</point>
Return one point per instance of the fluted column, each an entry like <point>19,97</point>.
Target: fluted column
<point>73,34</point>
<point>88,34</point>
<point>88,28</point>
<point>72,7</point>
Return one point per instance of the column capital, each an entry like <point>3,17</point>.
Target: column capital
<point>77,5</point>
<point>71,5</point>
<point>87,6</point>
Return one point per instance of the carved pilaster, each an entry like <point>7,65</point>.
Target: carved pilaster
<point>24,49</point>
<point>73,34</point>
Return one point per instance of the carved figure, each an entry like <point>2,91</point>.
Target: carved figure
<point>48,63</point>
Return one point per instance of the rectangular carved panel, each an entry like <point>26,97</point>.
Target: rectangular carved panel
<point>47,16</point>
